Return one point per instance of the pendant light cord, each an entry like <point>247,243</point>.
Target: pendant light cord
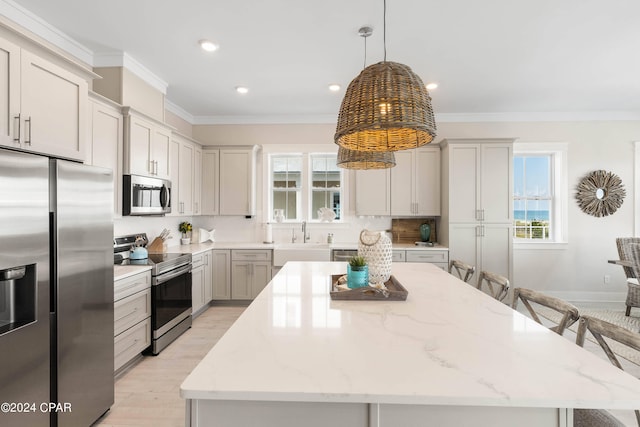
<point>384,28</point>
<point>365,53</point>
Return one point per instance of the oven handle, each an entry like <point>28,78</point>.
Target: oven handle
<point>158,280</point>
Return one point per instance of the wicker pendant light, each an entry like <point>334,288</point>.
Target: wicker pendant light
<point>385,108</point>
<point>351,159</point>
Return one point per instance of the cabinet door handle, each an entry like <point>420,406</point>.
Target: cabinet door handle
<point>27,141</point>
<point>151,167</point>
<point>482,214</point>
<point>156,167</point>
<point>196,210</point>
<point>16,125</point>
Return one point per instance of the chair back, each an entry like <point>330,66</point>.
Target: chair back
<point>527,296</point>
<point>625,252</point>
<point>463,270</point>
<point>497,285</point>
<point>601,328</point>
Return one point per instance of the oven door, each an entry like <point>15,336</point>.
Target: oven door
<point>170,299</point>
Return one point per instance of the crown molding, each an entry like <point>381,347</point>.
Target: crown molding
<point>123,59</point>
<point>46,31</point>
<point>179,111</point>
<point>539,117</point>
<point>266,119</point>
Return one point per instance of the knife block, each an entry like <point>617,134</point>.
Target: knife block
<point>156,246</point>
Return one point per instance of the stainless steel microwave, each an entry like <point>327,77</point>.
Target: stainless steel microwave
<point>143,195</point>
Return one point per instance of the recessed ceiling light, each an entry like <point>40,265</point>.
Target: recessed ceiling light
<point>431,86</point>
<point>242,89</point>
<point>208,45</point>
<point>334,87</point>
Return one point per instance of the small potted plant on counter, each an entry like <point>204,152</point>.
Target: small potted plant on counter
<point>357,272</point>
<point>185,228</point>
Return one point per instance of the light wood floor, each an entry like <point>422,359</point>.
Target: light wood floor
<point>148,394</point>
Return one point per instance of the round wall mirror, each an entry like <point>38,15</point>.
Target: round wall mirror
<point>600,193</point>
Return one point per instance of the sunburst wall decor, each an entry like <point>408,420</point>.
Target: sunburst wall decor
<point>600,193</point>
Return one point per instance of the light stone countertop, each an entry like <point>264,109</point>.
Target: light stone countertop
<point>124,271</point>
<point>447,344</point>
<point>196,248</point>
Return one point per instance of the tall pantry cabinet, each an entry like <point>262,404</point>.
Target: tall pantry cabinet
<point>477,196</point>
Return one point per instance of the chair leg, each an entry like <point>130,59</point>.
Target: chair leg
<point>628,312</point>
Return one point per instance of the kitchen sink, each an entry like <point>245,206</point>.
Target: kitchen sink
<point>283,252</point>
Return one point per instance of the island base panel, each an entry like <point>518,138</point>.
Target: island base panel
<point>232,413</point>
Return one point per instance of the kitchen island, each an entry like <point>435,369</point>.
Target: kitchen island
<point>448,355</point>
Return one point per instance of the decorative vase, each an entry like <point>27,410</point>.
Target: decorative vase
<point>185,240</point>
<point>375,247</point>
<point>357,277</point>
<point>425,232</point>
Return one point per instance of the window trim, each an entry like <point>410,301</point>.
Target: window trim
<point>287,149</point>
<point>560,205</point>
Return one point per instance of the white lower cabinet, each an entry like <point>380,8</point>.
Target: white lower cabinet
<point>221,263</point>
<point>250,273</point>
<point>132,317</point>
<point>201,281</point>
<point>439,257</point>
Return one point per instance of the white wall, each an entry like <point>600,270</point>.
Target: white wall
<point>574,271</point>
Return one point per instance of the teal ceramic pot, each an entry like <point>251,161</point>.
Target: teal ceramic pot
<point>357,277</point>
<point>425,232</point>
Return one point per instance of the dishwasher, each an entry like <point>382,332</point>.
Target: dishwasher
<point>343,254</point>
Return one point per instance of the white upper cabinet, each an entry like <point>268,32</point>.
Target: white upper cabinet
<point>480,182</point>
<point>197,180</point>
<point>411,188</point>
<point>9,94</point>
<point>186,174</point>
<point>415,182</point>
<point>210,182</point>
<point>238,181</point>
<point>146,146</point>
<point>43,107</point>
<point>105,145</point>
<point>373,192</point>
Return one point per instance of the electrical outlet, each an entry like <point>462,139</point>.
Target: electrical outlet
<point>607,279</point>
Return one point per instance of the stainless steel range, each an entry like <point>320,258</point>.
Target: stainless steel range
<point>170,291</point>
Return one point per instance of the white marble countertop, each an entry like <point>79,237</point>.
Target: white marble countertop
<point>196,248</point>
<point>124,271</point>
<point>447,344</point>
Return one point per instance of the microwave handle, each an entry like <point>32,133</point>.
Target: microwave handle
<point>165,196</point>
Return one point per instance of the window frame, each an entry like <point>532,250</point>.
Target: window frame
<point>306,192</point>
<point>559,204</point>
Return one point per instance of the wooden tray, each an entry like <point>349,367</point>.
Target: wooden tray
<point>395,291</point>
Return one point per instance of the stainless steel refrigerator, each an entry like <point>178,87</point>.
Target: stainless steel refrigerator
<point>56,291</point>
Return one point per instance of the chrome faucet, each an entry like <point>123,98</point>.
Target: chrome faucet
<point>305,236</point>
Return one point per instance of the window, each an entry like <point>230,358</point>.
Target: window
<point>325,184</point>
<point>287,185</point>
<point>301,184</point>
<point>539,198</point>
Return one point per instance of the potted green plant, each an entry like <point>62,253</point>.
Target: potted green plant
<point>357,272</point>
<point>185,228</point>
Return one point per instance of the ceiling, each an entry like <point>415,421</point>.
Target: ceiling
<point>495,57</point>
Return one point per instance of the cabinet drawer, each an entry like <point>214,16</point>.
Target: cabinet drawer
<point>131,310</point>
<point>251,255</point>
<point>428,256</point>
<point>129,286</point>
<point>131,342</point>
<point>398,256</point>
<point>197,260</point>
